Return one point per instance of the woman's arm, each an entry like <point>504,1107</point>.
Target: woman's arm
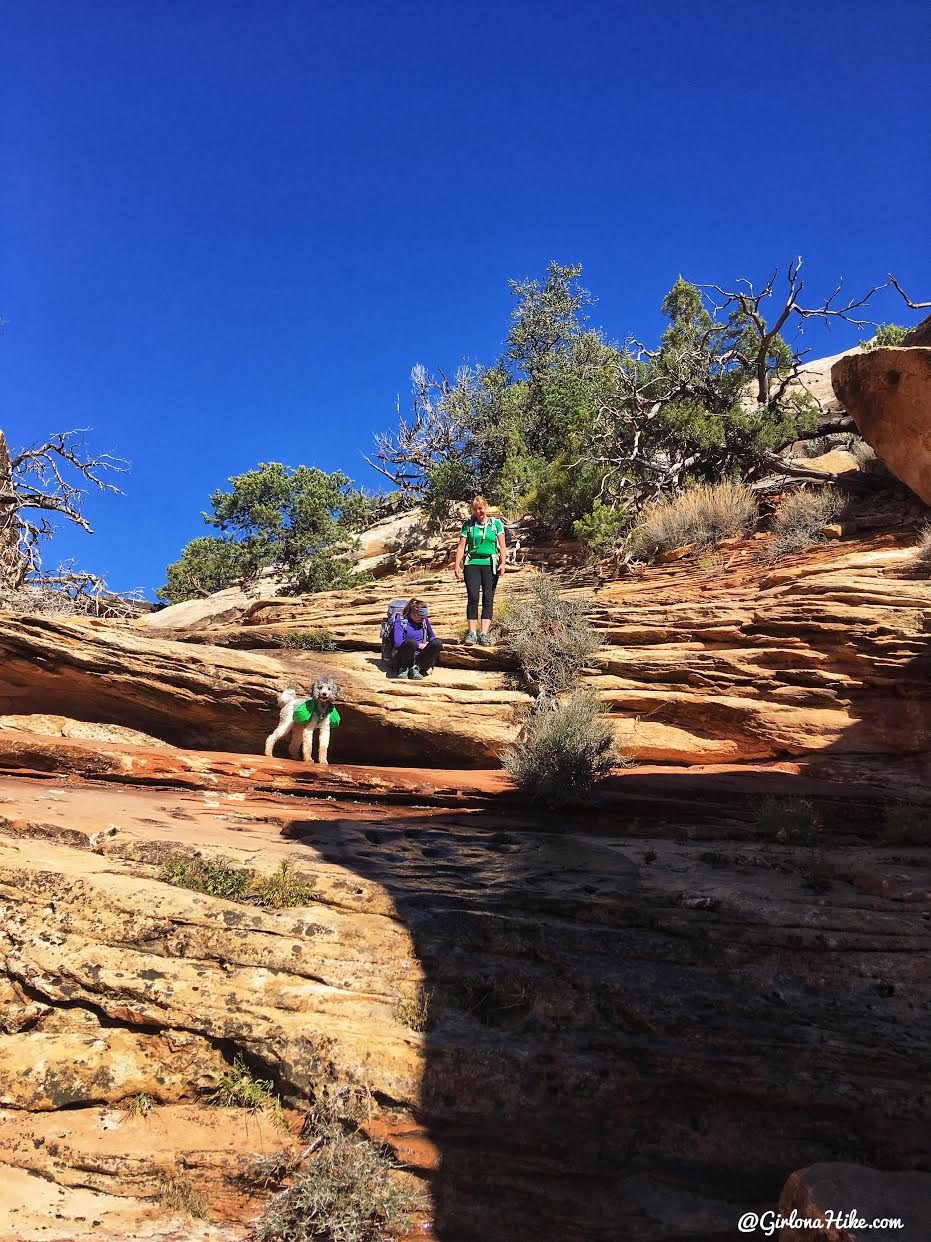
<point>460,552</point>
<point>502,550</point>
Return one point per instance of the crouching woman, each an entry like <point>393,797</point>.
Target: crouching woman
<point>416,647</point>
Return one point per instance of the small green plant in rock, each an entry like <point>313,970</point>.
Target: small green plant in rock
<point>177,1193</point>
<point>216,876</point>
<point>239,1088</point>
<point>907,824</point>
<point>561,754</point>
<point>798,523</point>
<point>139,1106</point>
<point>790,821</point>
<point>283,888</point>
<point>309,640</point>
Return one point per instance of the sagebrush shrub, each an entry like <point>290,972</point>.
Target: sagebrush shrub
<point>347,1191</point>
<point>561,754</point>
<point>798,523</point>
<point>701,515</point>
<point>923,548</point>
<point>550,636</point>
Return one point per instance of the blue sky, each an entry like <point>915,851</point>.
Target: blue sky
<point>228,229</point>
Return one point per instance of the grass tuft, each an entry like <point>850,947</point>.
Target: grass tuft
<point>239,1088</point>
<point>284,888</point>
<point>701,516</point>
<point>923,548</point>
<point>218,877</point>
<point>309,640</point>
<point>177,1193</point>
<point>797,524</point>
<point>416,1012</point>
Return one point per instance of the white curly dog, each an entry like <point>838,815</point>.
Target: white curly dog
<point>320,701</point>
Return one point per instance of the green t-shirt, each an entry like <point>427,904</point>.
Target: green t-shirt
<point>481,539</point>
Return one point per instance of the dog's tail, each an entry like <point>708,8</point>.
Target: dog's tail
<point>286,696</point>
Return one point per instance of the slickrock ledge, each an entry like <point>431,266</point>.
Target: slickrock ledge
<point>633,1020</point>
<point>633,1031</point>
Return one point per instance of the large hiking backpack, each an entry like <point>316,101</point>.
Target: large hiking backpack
<point>395,609</point>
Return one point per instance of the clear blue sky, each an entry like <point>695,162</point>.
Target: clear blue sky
<point>229,228</point>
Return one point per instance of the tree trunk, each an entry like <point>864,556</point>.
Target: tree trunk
<point>12,564</point>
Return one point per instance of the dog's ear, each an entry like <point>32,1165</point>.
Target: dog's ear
<point>335,690</point>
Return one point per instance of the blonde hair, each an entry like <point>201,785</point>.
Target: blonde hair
<point>475,500</point>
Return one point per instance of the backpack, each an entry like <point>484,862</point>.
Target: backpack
<point>395,609</point>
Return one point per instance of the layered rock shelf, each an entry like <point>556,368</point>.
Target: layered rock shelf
<point>634,1020</point>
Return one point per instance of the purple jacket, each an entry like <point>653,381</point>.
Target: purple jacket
<point>405,628</point>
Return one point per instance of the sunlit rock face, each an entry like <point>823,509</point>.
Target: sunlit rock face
<point>634,1019</point>
<point>888,394</point>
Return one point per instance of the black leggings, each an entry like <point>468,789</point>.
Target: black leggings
<point>407,654</point>
<point>484,577</point>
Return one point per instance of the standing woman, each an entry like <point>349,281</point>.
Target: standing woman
<point>481,544</point>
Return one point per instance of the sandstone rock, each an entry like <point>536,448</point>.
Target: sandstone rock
<point>920,334</point>
<point>838,461</point>
<point>62,726</point>
<point>888,394</point>
<point>854,1191</point>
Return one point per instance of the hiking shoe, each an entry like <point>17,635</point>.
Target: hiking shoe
<point>416,674</point>
<point>403,672</point>
<point>485,640</point>
<point>471,638</point>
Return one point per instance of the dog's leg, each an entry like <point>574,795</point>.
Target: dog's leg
<point>324,744</point>
<point>283,727</point>
<point>296,745</point>
<point>307,743</point>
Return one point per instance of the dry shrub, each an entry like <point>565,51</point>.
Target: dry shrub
<point>347,1190</point>
<point>561,754</point>
<point>798,523</point>
<point>702,515</point>
<point>550,636</point>
<point>923,548</point>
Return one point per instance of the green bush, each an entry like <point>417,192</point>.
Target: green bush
<point>798,522</point>
<point>239,1088</point>
<point>282,889</point>
<point>216,876</point>
<point>561,754</point>
<point>603,529</point>
<point>448,485</point>
<point>701,516</point>
<point>309,640</point>
<point>550,636</point>
<point>907,824</point>
<point>790,821</point>
<point>887,335</point>
<point>301,520</point>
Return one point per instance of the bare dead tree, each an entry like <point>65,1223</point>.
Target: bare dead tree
<point>39,484</point>
<point>436,432</point>
<point>907,300</point>
<point>640,455</point>
<point>750,302</point>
